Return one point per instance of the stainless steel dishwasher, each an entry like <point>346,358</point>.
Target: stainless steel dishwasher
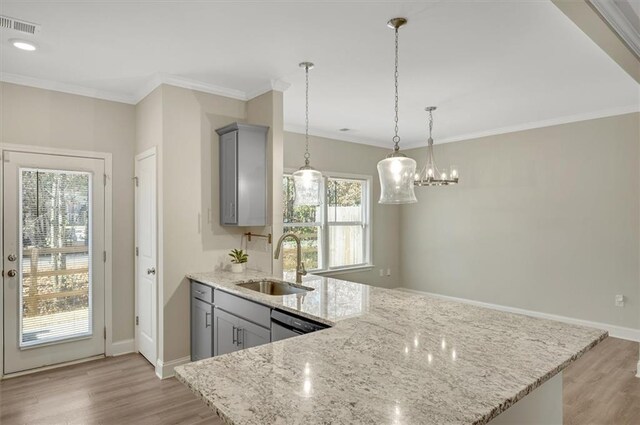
<point>284,325</point>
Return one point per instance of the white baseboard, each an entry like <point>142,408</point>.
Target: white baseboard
<point>614,330</point>
<point>126,346</point>
<point>165,370</point>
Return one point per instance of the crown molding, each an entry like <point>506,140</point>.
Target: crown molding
<point>617,19</point>
<point>67,88</point>
<point>274,85</point>
<point>149,85</point>
<point>536,124</point>
<point>338,136</point>
<point>503,130</point>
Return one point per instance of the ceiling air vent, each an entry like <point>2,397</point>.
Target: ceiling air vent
<point>18,25</point>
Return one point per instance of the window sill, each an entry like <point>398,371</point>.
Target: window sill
<point>345,270</point>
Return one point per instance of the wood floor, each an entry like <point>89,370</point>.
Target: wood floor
<point>115,390</point>
<point>600,388</point>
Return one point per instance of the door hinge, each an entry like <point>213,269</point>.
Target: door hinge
<point>105,332</point>
<point>105,179</point>
<point>137,320</point>
<point>137,251</point>
<point>104,256</point>
<point>135,180</point>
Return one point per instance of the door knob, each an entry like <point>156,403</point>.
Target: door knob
<point>152,270</point>
<point>11,273</point>
<point>11,257</point>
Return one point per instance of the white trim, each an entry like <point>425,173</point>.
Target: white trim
<point>66,88</point>
<point>126,346</point>
<point>108,237</point>
<point>54,366</point>
<point>638,369</point>
<point>165,370</point>
<point>152,83</point>
<point>345,137</point>
<point>614,330</point>
<point>617,19</point>
<point>274,85</point>
<point>344,270</point>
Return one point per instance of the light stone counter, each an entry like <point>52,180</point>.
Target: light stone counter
<point>390,357</point>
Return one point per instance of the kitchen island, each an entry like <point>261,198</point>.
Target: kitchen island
<point>390,357</point>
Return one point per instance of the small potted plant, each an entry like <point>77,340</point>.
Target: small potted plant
<point>238,259</point>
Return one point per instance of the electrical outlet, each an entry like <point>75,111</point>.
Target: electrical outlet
<point>619,300</point>
<point>388,272</point>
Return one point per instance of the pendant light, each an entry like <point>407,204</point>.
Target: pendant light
<point>307,181</point>
<point>429,175</point>
<point>396,171</point>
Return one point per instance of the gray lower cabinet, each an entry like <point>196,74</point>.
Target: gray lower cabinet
<point>201,329</point>
<point>232,333</point>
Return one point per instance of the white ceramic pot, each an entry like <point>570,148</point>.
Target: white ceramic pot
<point>237,268</point>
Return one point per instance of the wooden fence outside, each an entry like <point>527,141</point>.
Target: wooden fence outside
<point>30,276</point>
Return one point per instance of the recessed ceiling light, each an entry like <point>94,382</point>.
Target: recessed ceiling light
<point>344,129</point>
<point>23,45</point>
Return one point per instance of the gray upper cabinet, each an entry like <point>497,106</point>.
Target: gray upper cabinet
<point>243,175</point>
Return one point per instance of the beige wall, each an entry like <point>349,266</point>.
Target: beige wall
<point>189,241</point>
<point>345,157</point>
<point>31,116</point>
<point>544,220</point>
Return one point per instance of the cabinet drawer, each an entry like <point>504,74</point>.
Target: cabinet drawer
<point>254,312</point>
<point>201,292</point>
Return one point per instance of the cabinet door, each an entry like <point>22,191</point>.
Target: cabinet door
<point>229,178</point>
<point>201,330</point>
<point>252,336</point>
<point>226,333</point>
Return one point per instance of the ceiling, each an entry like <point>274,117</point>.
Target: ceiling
<point>490,67</point>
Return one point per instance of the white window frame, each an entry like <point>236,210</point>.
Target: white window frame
<point>324,224</point>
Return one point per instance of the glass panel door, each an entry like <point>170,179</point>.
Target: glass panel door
<point>55,279</point>
<point>53,259</point>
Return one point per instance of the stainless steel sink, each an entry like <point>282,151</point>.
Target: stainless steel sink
<point>274,287</point>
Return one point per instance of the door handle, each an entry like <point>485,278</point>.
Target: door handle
<point>152,270</point>
<point>238,341</point>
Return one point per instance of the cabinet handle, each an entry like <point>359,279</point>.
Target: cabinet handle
<point>232,212</point>
<point>234,335</point>
<point>207,322</point>
<point>239,342</point>
<point>199,292</point>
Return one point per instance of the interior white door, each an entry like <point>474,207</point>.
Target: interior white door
<point>146,273</point>
<point>53,265</point>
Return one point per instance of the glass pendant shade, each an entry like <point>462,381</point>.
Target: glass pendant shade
<point>396,174</point>
<point>307,183</point>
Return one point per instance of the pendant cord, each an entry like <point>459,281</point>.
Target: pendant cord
<point>430,127</point>
<point>307,156</point>
<point>396,138</point>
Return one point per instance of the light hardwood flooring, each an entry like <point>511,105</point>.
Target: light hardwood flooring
<point>600,388</point>
<point>115,390</point>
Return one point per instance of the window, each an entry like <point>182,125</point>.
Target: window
<point>334,235</point>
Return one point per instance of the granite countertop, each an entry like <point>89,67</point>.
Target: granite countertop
<point>390,357</point>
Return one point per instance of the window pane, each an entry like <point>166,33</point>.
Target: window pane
<point>299,214</point>
<point>346,246</point>
<point>345,200</point>
<point>55,259</point>
<point>311,241</point>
